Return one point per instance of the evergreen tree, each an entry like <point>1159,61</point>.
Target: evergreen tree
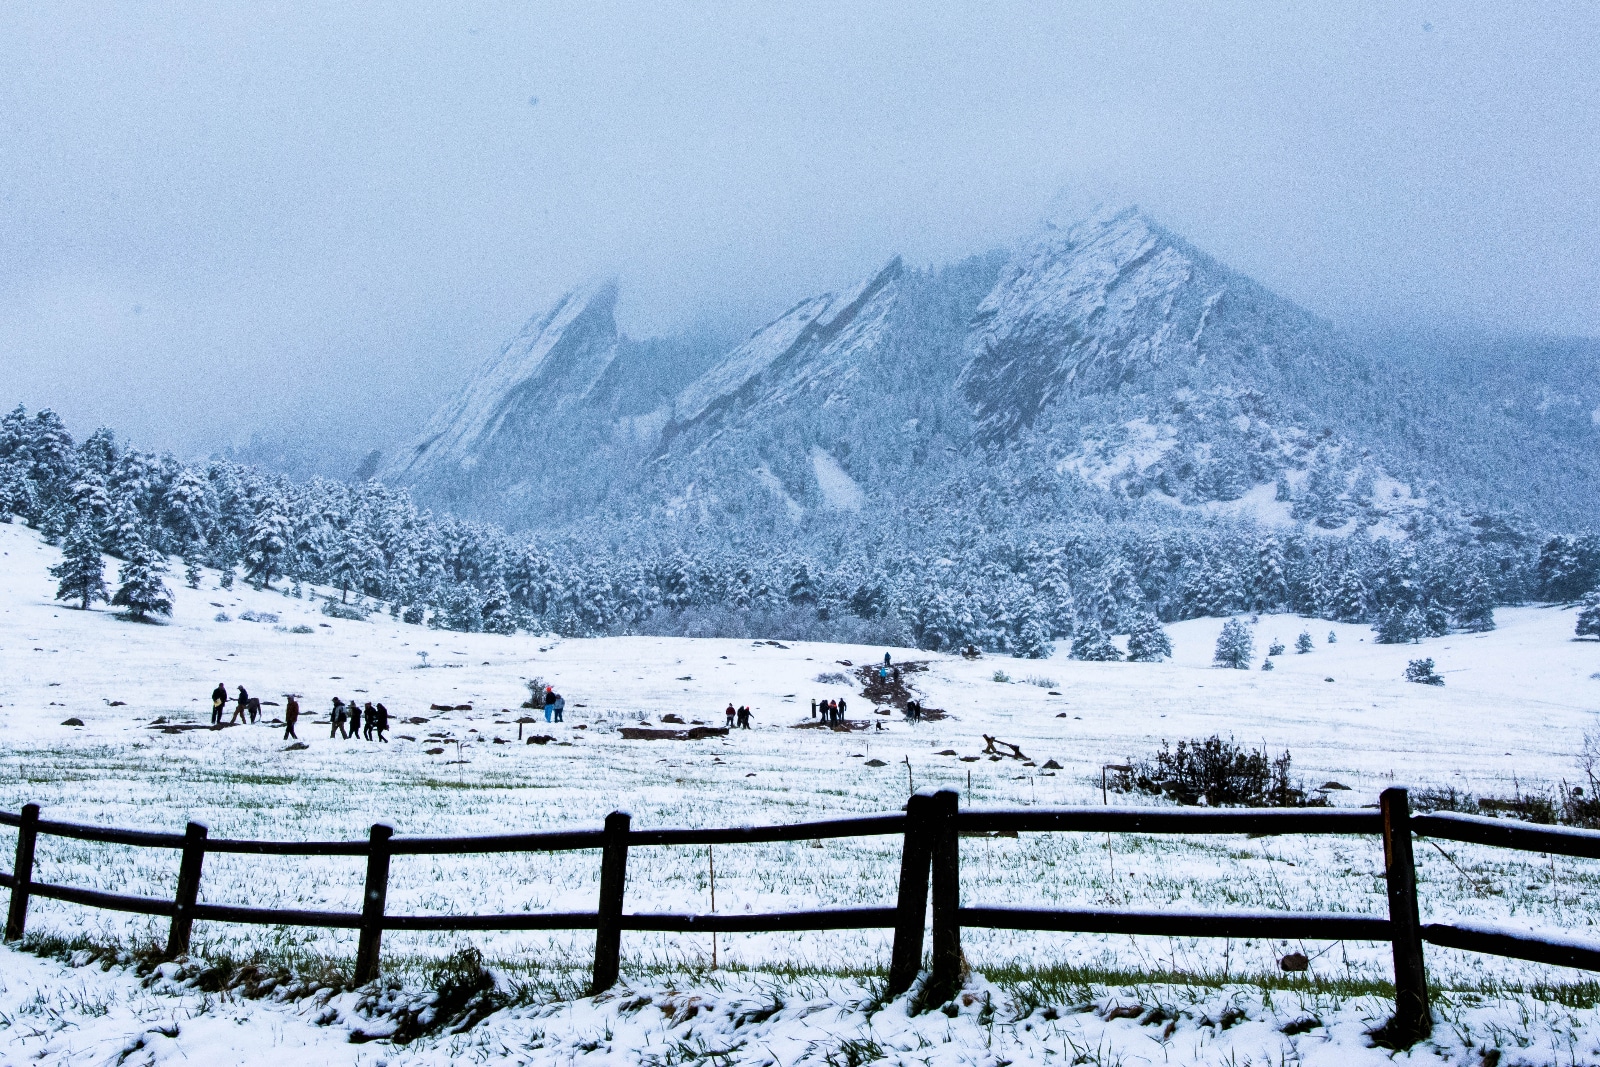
<point>1033,633</point>
<point>1090,642</point>
<point>191,566</point>
<point>1234,646</point>
<point>82,569</point>
<point>1269,588</point>
<point>1147,641</point>
<point>496,610</point>
<point>1589,616</point>
<point>1475,612</point>
<point>1349,596</point>
<point>801,590</point>
<point>1303,643</point>
<point>266,544</point>
<point>139,585</point>
<point>1399,626</point>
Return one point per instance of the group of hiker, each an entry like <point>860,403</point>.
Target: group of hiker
<point>347,720</point>
<point>247,709</point>
<point>740,715</point>
<point>832,711</point>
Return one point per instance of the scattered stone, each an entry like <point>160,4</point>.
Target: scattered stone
<point>74,721</point>
<point>115,703</point>
<point>946,752</point>
<point>1333,785</point>
<point>1294,961</point>
<point>540,739</point>
<point>297,746</point>
<point>669,717</point>
<point>972,759</point>
<point>1051,765</point>
<point>433,751</point>
<point>416,720</point>
<point>876,763</point>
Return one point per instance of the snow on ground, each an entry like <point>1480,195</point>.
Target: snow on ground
<point>1510,717</point>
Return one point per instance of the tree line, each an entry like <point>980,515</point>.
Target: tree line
<point>1017,588</point>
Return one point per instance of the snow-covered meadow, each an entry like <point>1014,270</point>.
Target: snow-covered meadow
<point>1510,717</point>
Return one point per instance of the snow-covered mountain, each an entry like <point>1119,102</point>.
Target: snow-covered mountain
<point>1104,355</point>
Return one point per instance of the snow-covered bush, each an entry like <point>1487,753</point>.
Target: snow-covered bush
<point>1216,773</point>
<point>1304,643</point>
<point>1421,671</point>
<point>1234,646</point>
<point>1276,648</point>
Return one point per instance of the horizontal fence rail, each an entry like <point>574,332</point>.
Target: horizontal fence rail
<point>930,827</point>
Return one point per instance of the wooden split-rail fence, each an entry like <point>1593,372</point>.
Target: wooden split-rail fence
<point>930,828</point>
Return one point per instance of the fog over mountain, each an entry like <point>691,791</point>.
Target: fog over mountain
<point>306,226</point>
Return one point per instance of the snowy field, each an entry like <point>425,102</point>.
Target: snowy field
<point>1510,718</point>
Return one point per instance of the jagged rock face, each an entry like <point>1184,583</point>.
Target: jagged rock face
<point>1119,305</point>
<point>1108,353</point>
<point>553,365</point>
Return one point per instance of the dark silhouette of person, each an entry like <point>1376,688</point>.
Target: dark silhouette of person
<point>291,715</point>
<point>241,710</point>
<point>355,720</point>
<point>383,721</point>
<point>219,698</point>
<point>338,719</point>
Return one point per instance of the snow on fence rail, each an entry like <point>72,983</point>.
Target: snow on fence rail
<point>930,865</point>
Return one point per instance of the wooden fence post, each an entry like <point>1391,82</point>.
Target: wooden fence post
<point>911,909</point>
<point>613,885</point>
<point>22,871</point>
<point>946,855</point>
<point>372,903</point>
<point>1412,1019</point>
<point>194,855</point>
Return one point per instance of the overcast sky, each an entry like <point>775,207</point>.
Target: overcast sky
<point>218,218</point>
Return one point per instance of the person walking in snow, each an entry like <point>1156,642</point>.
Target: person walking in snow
<point>291,715</point>
<point>841,709</point>
<point>561,707</point>
<point>549,703</point>
<point>219,699</point>
<point>372,720</point>
<point>731,713</point>
<point>355,721</point>
<point>744,717</point>
<point>255,708</point>
<point>337,718</point>
<point>241,710</point>
<point>383,721</point>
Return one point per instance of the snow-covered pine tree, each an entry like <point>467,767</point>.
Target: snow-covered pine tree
<point>1269,588</point>
<point>268,540</point>
<point>139,585</point>
<point>1303,643</point>
<point>191,565</point>
<point>1399,626</point>
<point>496,611</point>
<point>1589,616</point>
<point>1475,611</point>
<point>1147,641</point>
<point>1089,642</point>
<point>1033,633</point>
<point>1349,596</point>
<point>1234,646</point>
<point>82,569</point>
